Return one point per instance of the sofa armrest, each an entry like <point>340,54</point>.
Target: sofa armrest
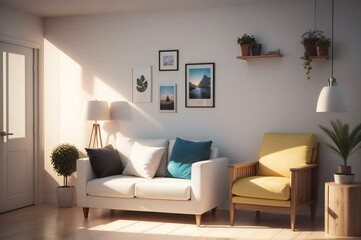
<point>85,173</point>
<point>209,184</point>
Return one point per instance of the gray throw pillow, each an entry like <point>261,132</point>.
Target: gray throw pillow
<point>105,161</point>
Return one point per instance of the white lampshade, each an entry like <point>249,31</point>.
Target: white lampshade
<point>332,99</point>
<point>97,110</point>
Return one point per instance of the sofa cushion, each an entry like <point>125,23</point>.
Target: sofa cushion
<point>104,161</point>
<point>144,161</point>
<point>276,188</point>
<point>164,188</point>
<point>184,154</point>
<point>124,147</point>
<point>113,186</point>
<point>280,152</point>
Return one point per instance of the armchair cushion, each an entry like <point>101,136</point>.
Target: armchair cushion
<point>276,188</point>
<point>280,152</point>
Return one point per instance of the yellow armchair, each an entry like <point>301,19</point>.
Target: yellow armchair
<point>284,179</point>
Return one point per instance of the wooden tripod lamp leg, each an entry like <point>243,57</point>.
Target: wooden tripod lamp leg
<point>95,137</point>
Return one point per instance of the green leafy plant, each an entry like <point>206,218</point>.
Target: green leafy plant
<point>308,40</point>
<point>63,159</point>
<point>323,42</point>
<point>307,64</point>
<point>345,141</point>
<point>311,34</point>
<point>142,84</point>
<point>246,39</point>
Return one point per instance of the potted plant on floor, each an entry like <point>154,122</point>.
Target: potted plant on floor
<point>63,159</point>
<point>308,40</point>
<point>246,42</point>
<point>345,142</point>
<point>322,46</point>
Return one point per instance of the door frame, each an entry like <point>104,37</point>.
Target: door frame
<point>37,121</point>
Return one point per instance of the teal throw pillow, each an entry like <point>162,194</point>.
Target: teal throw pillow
<point>184,154</point>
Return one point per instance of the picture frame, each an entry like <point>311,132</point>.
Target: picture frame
<point>168,60</point>
<point>142,84</point>
<point>168,98</point>
<point>200,85</point>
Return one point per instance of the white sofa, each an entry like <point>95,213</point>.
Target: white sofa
<point>207,189</point>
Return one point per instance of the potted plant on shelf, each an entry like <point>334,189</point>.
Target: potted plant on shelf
<point>246,42</point>
<point>63,159</point>
<point>308,40</point>
<point>322,45</point>
<point>256,49</point>
<point>345,142</point>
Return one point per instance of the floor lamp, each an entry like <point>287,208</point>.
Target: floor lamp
<point>96,111</point>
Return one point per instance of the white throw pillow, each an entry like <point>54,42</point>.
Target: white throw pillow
<point>144,161</point>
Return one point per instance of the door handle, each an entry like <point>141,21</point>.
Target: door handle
<point>3,134</point>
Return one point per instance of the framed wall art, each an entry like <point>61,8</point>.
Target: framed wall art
<point>200,88</point>
<point>168,98</point>
<point>168,60</point>
<point>142,84</point>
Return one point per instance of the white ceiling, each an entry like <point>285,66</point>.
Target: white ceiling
<point>56,8</point>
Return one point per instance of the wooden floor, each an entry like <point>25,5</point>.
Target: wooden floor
<point>47,221</point>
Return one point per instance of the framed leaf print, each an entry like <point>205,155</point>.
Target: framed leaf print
<point>142,84</point>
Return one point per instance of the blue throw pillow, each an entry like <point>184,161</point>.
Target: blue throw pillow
<point>184,154</point>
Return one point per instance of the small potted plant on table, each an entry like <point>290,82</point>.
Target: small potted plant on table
<point>345,142</point>
<point>246,42</point>
<point>63,159</point>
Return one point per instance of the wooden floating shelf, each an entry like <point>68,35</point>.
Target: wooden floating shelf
<point>317,57</point>
<point>259,56</point>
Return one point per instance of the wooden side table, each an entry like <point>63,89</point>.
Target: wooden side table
<point>343,209</point>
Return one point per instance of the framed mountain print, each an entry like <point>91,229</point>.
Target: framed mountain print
<point>200,88</point>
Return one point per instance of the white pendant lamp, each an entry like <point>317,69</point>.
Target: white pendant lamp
<point>332,97</point>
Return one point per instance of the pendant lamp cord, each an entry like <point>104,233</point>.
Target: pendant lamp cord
<point>314,27</point>
<point>332,40</point>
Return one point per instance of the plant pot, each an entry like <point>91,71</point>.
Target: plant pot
<point>246,49</point>
<point>344,169</point>
<point>256,49</point>
<point>322,51</point>
<point>65,196</point>
<point>344,178</point>
<point>310,46</point>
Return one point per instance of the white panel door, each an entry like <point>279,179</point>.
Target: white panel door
<point>16,127</point>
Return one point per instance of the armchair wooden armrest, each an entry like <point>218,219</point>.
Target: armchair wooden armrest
<point>304,186</point>
<point>242,170</point>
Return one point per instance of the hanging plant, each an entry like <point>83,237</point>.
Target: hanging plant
<point>309,40</point>
<point>307,64</point>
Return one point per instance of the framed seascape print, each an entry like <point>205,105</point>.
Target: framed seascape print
<point>168,98</point>
<point>168,60</point>
<point>142,84</point>
<point>200,89</point>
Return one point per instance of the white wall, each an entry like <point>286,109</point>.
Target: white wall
<point>91,57</point>
<point>17,27</point>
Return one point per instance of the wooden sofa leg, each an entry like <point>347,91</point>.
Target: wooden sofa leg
<point>85,212</point>
<point>198,219</point>
<point>231,214</point>
<point>293,220</point>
